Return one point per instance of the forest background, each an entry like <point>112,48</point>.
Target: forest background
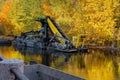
<point>98,20</point>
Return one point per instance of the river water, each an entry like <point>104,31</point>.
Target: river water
<point>93,65</point>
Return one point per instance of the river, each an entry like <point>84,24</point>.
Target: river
<point>93,65</point>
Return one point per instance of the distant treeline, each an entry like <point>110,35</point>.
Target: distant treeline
<point>98,19</point>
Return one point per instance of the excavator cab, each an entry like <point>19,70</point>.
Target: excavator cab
<point>79,40</point>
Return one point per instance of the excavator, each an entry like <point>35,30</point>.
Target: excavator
<point>49,37</point>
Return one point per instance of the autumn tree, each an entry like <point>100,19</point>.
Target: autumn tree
<point>97,18</point>
<point>90,17</point>
<point>116,40</point>
<point>5,24</point>
<point>23,14</point>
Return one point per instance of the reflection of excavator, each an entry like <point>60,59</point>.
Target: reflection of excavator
<point>50,37</point>
<point>42,56</point>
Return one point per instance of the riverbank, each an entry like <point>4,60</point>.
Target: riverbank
<point>7,37</point>
<point>107,48</point>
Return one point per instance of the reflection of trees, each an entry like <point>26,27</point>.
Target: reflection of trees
<point>101,67</point>
<point>94,66</point>
<point>9,52</point>
<point>97,65</point>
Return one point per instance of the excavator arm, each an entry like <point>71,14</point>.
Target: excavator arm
<point>56,31</point>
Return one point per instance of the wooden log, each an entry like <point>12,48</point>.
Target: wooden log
<point>5,41</point>
<point>1,58</point>
<point>7,65</point>
<point>42,72</point>
<point>18,74</point>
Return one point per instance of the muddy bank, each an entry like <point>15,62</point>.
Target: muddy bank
<point>107,48</point>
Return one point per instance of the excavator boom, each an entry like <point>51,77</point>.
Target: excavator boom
<point>55,31</point>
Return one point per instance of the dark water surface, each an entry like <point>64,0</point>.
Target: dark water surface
<point>94,65</point>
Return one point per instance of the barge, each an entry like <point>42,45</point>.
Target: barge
<point>49,37</point>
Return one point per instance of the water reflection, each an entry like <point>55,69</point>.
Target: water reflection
<point>47,57</point>
<point>95,65</point>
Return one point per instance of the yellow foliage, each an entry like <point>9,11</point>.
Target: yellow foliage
<point>97,19</point>
<point>93,17</point>
<point>47,11</point>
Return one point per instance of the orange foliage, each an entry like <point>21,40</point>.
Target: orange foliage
<point>3,21</point>
<point>5,9</point>
<point>7,26</point>
<point>47,10</point>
